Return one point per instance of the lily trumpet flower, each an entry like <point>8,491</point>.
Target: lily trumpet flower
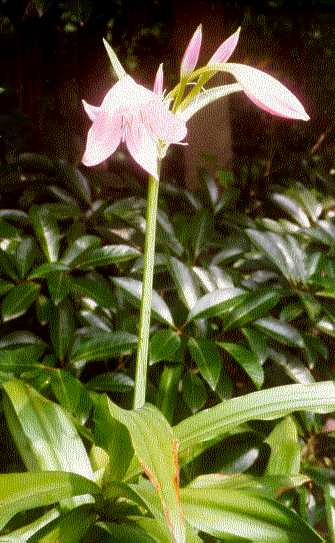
<point>135,115</point>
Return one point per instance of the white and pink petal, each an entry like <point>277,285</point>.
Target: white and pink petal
<point>226,49</point>
<point>162,123</point>
<point>103,139</point>
<point>267,92</point>
<point>143,148</point>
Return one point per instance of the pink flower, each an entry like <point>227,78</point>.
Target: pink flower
<point>158,84</point>
<point>267,92</point>
<point>263,89</point>
<point>226,49</point>
<point>135,115</point>
<point>191,55</point>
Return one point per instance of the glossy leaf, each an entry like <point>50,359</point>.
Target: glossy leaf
<point>43,433</point>
<point>25,254</point>
<point>184,281</point>
<point>207,358</point>
<point>216,303</point>
<point>13,362</point>
<point>105,256</point>
<point>18,300</point>
<point>280,331</point>
<point>58,286</point>
<point>104,346</point>
<point>71,394</point>
<point>264,404</point>
<point>194,392</point>
<point>241,514</point>
<point>163,346</point>
<point>62,326</point>
<point>253,306</point>
<point>47,231</point>
<point>133,290</point>
<point>285,449</point>
<point>247,360</point>
<point>21,491</point>
<point>79,246</point>
<point>70,527</point>
<point>111,382</point>
<point>92,288</point>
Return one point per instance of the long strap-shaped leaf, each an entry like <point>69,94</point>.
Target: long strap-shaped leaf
<point>268,404</point>
<point>157,450</point>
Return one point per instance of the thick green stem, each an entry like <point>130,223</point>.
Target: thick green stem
<point>148,272</point>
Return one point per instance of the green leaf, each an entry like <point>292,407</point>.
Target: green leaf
<point>48,267</point>
<point>133,290</point>
<point>70,527</point>
<point>241,514</point>
<point>113,437</point>
<point>58,286</point>
<point>280,331</point>
<point>79,246</point>
<point>5,286</point>
<point>47,231</point>
<point>18,300</point>
<point>71,394</point>
<point>25,254</point>
<point>21,535</point>
<point>92,288</point>
<point>253,306</point>
<point>194,392</point>
<point>285,449</point>
<point>206,356</point>
<point>216,303</point>
<point>264,404</point>
<point>43,433</point>
<point>184,281</point>
<point>292,208</point>
<point>111,382</point>
<point>248,360</point>
<point>62,326</point>
<point>257,342</point>
<point>22,491</point>
<point>76,182</point>
<point>202,227</point>
<point>8,265</point>
<point>163,346</point>
<point>156,448</point>
<point>104,256</point>
<point>103,346</point>
<point>292,365</point>
<point>266,485</point>
<point>16,361</point>
<point>123,533</point>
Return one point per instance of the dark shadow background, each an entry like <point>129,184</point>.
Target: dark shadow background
<point>51,56</point>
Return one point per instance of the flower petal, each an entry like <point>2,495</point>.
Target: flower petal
<point>125,94</point>
<point>191,55</point>
<point>143,148</point>
<point>267,93</point>
<point>103,138</point>
<point>226,49</point>
<point>162,123</point>
<point>158,84</point>
<point>92,111</point>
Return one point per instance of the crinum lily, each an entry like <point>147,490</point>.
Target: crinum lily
<point>142,119</point>
<point>135,115</point>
